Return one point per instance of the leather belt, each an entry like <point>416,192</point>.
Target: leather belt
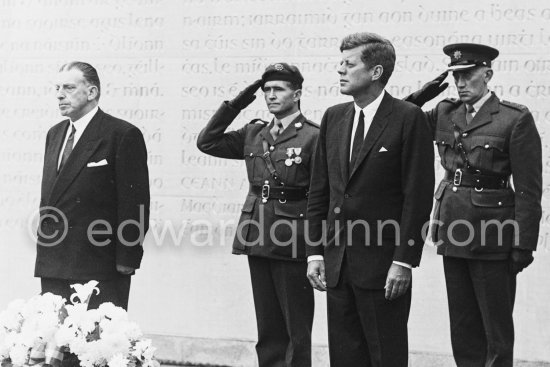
<point>282,193</point>
<point>462,177</point>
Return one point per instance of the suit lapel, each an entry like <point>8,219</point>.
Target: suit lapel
<point>379,123</point>
<point>343,129</point>
<point>51,158</point>
<point>484,115</point>
<point>84,148</point>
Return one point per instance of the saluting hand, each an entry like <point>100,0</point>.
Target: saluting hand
<point>429,91</point>
<point>398,281</point>
<point>246,96</point>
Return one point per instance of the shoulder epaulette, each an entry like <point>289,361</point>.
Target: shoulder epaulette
<point>451,100</point>
<point>258,121</point>
<point>513,105</point>
<point>311,123</point>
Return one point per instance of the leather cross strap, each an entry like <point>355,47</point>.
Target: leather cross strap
<point>269,163</point>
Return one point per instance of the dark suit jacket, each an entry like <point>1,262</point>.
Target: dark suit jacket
<point>393,185</point>
<point>258,219</point>
<point>112,193</point>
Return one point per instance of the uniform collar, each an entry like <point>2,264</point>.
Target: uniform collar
<point>477,106</point>
<point>285,121</point>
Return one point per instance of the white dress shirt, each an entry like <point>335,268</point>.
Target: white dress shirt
<point>79,125</point>
<point>369,111</point>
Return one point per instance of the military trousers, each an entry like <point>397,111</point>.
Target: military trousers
<point>481,296</point>
<point>283,299</point>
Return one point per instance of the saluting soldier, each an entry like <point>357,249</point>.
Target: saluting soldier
<point>270,231</point>
<point>485,226</point>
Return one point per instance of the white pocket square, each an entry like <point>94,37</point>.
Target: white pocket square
<point>102,162</point>
<point>382,150</point>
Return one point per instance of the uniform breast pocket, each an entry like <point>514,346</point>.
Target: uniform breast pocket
<point>484,150</point>
<point>445,142</point>
<point>255,165</point>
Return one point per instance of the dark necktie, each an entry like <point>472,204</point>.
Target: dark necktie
<point>68,148</point>
<point>277,129</point>
<point>469,114</point>
<point>357,141</point>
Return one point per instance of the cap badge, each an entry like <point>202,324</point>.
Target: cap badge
<point>279,67</point>
<point>457,55</point>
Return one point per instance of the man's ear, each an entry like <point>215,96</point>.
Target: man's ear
<point>377,72</point>
<point>297,95</point>
<point>92,92</point>
<point>488,75</point>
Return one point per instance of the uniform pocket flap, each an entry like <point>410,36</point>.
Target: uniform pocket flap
<point>291,209</point>
<point>444,137</point>
<point>440,190</point>
<point>249,204</point>
<point>492,198</point>
<point>488,142</point>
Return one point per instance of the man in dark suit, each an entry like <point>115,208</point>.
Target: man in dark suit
<point>485,228</point>
<point>271,227</point>
<point>372,186</point>
<point>95,194</point>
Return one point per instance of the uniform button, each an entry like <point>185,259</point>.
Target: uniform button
<point>301,215</point>
<point>455,189</point>
<point>272,148</point>
<point>500,203</point>
<point>487,146</point>
<point>464,135</point>
<point>252,154</point>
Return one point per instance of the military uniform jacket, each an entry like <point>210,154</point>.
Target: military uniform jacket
<point>273,229</point>
<point>501,140</point>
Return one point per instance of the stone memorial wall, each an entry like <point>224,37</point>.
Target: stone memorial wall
<point>166,65</point>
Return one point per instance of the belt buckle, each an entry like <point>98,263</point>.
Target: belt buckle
<point>457,180</point>
<point>265,193</point>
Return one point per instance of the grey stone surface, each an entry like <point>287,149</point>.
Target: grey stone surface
<point>197,352</point>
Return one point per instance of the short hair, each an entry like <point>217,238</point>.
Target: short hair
<point>294,85</point>
<point>88,72</point>
<point>378,51</point>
